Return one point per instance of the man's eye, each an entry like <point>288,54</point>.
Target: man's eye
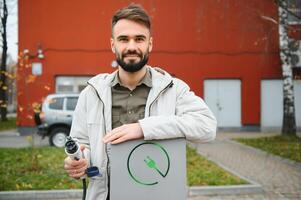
<point>139,39</point>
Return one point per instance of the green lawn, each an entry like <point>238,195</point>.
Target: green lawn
<point>20,170</point>
<point>42,168</point>
<point>7,125</point>
<point>284,146</point>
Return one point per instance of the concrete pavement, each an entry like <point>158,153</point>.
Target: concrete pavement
<point>280,178</point>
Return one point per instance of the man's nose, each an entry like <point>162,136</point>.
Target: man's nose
<point>132,46</point>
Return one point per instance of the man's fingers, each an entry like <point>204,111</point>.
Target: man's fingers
<point>77,172</point>
<point>72,164</point>
<point>113,137</point>
<point>68,163</point>
<point>113,132</point>
<point>78,167</point>
<point>124,133</point>
<point>120,139</point>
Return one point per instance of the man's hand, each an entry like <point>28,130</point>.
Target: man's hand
<point>124,133</point>
<point>76,168</point>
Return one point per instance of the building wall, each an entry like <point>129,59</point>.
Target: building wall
<point>194,40</point>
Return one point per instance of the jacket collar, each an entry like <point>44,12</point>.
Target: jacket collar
<point>102,82</point>
<point>146,80</point>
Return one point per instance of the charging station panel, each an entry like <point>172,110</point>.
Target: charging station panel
<point>148,170</point>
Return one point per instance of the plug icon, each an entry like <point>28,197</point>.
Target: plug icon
<point>152,164</point>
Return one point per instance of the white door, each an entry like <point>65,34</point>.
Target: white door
<point>272,103</point>
<point>224,99</point>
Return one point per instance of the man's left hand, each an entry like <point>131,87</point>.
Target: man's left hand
<point>124,133</point>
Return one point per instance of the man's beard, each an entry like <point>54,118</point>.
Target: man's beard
<point>132,66</point>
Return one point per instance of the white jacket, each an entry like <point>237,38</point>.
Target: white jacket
<point>171,111</point>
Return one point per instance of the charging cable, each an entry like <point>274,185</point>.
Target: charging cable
<point>72,149</point>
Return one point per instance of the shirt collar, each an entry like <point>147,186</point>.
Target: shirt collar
<point>146,80</point>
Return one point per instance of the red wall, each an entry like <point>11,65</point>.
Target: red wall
<point>193,39</point>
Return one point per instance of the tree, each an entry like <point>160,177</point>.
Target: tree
<point>289,118</point>
<point>3,86</point>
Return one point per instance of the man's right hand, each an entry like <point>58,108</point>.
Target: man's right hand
<point>76,168</point>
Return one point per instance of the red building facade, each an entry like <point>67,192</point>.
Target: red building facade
<point>193,40</point>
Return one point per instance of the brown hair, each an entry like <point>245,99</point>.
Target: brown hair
<point>133,12</point>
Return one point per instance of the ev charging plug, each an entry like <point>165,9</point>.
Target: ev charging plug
<point>72,149</point>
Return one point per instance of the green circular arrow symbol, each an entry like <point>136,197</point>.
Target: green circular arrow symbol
<point>150,162</point>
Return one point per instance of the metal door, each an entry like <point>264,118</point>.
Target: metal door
<point>272,103</point>
<point>224,99</point>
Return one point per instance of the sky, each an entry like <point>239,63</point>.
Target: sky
<point>12,28</point>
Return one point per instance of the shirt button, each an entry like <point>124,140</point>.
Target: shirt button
<point>130,112</point>
<point>131,94</point>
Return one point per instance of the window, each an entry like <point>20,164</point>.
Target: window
<point>65,88</point>
<point>71,103</point>
<point>294,6</point>
<point>71,84</point>
<point>56,103</point>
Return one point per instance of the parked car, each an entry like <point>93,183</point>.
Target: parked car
<point>56,117</point>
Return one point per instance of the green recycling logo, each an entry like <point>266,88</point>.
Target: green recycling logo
<point>151,162</point>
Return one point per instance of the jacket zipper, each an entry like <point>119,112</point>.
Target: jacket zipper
<point>168,86</point>
<point>103,113</point>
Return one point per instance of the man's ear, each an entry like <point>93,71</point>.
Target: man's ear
<point>150,44</point>
<point>112,45</point>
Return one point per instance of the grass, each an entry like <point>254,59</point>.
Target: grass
<point>8,125</point>
<point>284,146</point>
<point>42,168</point>
<point>20,170</point>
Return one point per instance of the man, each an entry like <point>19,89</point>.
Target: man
<point>136,101</point>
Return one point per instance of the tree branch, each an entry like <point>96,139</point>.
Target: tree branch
<point>269,19</point>
<point>279,3</point>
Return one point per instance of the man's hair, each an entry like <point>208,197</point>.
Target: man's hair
<point>133,12</point>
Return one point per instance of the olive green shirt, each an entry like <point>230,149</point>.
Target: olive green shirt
<point>128,106</point>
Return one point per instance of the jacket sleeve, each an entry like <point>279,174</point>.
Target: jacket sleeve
<point>192,120</point>
<point>79,129</point>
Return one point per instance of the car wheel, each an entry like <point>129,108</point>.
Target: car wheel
<point>58,136</point>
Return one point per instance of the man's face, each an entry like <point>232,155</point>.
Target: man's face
<point>131,43</point>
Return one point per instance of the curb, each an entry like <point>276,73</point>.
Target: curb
<point>41,194</point>
<point>77,194</point>
<point>11,132</point>
<point>224,190</point>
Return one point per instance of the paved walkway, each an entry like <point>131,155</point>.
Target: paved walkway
<point>279,179</point>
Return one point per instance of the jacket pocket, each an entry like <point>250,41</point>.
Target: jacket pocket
<point>97,188</point>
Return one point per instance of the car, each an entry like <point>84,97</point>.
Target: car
<point>55,117</point>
